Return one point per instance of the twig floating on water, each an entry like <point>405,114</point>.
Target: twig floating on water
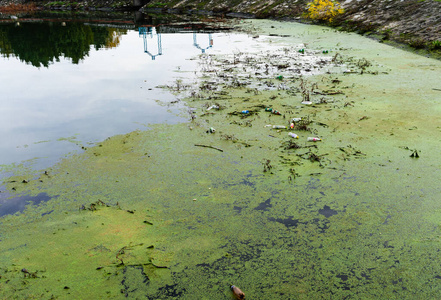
<point>159,267</point>
<point>208,146</point>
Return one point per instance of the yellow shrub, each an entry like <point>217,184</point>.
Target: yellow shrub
<point>324,10</point>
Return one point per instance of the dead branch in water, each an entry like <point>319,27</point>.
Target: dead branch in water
<point>208,146</point>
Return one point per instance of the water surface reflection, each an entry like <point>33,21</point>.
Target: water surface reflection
<point>65,85</point>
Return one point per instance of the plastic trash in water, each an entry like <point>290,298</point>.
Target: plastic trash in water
<point>213,106</point>
<point>211,130</point>
<point>237,292</point>
<point>296,120</point>
<point>280,77</point>
<point>282,87</point>
<point>302,51</point>
<point>291,125</point>
<point>307,102</point>
<point>293,135</point>
<point>314,139</point>
<point>245,111</point>
<point>273,111</point>
<point>279,127</point>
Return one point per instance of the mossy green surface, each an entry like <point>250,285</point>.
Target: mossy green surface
<point>186,220</point>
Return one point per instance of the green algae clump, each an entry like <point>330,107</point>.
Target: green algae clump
<point>81,255</point>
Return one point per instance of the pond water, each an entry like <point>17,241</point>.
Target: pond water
<point>69,85</point>
<point>212,194</point>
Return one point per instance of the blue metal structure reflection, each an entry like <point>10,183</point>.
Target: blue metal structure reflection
<point>149,33</point>
<point>196,44</point>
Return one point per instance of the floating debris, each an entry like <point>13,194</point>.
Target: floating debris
<point>313,139</point>
<point>237,292</point>
<point>414,154</point>
<point>208,146</point>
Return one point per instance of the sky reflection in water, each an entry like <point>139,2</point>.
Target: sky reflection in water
<point>111,91</point>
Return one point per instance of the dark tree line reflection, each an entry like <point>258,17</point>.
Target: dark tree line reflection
<point>40,44</point>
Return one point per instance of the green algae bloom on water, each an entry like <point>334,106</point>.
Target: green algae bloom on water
<point>352,217</point>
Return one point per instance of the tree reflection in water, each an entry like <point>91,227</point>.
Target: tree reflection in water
<point>40,44</point>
